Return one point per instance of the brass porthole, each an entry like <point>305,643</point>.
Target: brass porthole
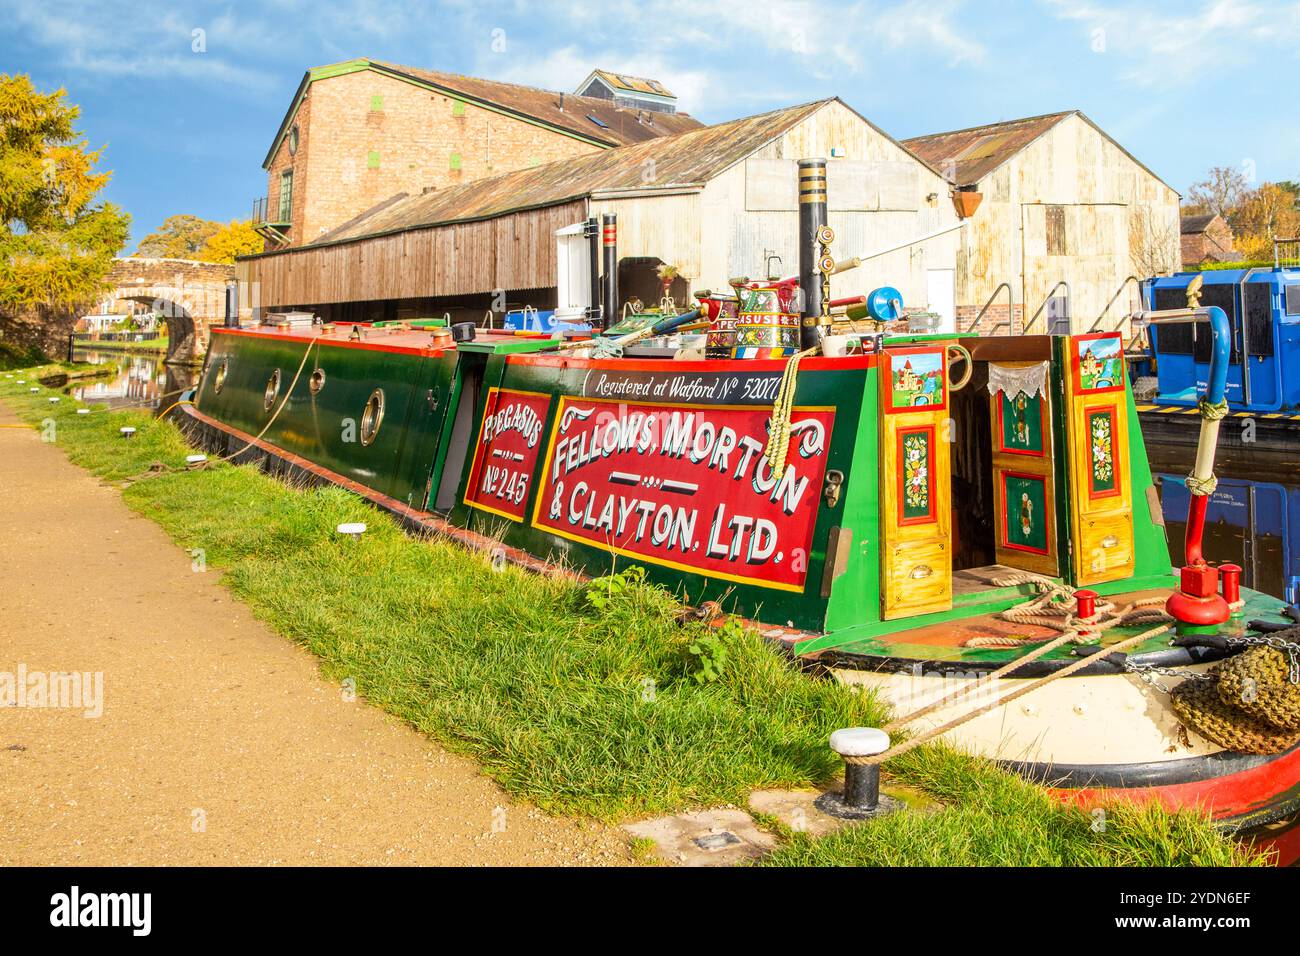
<point>317,381</point>
<point>272,390</point>
<point>219,376</point>
<point>372,417</point>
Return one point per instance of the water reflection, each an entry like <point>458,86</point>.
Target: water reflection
<point>132,380</point>
<point>1253,519</point>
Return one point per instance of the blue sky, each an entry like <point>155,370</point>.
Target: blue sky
<point>1183,84</point>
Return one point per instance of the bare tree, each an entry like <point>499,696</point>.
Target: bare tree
<point>1153,243</point>
<point>1220,192</point>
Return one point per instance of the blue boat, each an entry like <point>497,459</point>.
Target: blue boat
<point>1263,306</point>
<point>1263,390</point>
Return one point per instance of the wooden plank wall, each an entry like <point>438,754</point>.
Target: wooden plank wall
<point>516,251</point>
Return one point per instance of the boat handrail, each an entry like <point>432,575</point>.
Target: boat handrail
<point>1011,308</point>
<point>1096,326</point>
<point>1201,481</point>
<point>1069,298</point>
<point>1245,331</point>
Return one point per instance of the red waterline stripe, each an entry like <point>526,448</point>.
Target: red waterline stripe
<point>1225,797</point>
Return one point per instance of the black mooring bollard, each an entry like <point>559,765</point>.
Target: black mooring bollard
<point>859,746</point>
<point>861,784</point>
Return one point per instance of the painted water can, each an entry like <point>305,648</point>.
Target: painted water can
<point>721,311</point>
<point>766,327</point>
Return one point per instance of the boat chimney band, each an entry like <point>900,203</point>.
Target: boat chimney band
<point>609,247</point>
<point>812,220</point>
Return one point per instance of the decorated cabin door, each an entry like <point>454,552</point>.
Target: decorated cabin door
<point>1101,498</point>
<point>1023,480</point>
<point>915,482</point>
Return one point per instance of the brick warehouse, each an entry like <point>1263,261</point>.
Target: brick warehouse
<point>359,132</point>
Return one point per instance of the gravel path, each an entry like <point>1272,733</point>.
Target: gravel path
<point>219,743</point>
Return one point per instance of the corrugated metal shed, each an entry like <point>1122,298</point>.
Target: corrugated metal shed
<point>967,156</point>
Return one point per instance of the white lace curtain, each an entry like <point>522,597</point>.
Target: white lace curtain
<point>1014,379</point>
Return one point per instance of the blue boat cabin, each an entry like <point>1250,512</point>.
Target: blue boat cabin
<point>1264,309</point>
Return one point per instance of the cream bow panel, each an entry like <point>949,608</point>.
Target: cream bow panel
<point>1012,379</point>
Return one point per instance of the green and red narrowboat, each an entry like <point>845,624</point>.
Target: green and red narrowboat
<point>894,533</point>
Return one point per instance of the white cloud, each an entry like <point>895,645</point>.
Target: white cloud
<point>99,40</point>
<point>727,55</point>
<point>1175,45</point>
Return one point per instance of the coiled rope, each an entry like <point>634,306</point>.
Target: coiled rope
<point>1212,412</point>
<point>1057,609</point>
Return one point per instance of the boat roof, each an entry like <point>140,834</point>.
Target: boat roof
<point>396,338</point>
<point>1228,276</point>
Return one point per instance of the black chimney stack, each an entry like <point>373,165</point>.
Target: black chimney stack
<point>812,217</point>
<point>232,305</point>
<point>609,245</point>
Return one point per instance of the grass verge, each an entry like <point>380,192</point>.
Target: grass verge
<point>593,707</point>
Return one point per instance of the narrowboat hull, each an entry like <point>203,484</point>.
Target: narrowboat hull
<point>860,553</point>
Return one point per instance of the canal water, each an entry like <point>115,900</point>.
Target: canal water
<point>132,379</point>
<point>1253,520</point>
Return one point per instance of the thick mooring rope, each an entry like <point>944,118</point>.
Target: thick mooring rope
<point>778,435</point>
<point>914,742</point>
<point>974,685</point>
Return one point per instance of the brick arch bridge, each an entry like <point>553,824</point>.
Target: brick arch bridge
<point>190,296</point>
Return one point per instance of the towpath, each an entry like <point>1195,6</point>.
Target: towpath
<point>218,743</point>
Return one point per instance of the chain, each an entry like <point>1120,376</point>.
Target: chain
<point>1147,672</point>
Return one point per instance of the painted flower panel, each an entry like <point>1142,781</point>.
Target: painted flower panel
<point>916,475</point>
<point>1101,427</point>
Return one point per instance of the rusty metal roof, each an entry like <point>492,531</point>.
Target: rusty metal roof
<point>967,156</point>
<point>617,126</point>
<point>687,160</point>
<point>632,84</point>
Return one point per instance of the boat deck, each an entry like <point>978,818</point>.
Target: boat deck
<point>944,642</point>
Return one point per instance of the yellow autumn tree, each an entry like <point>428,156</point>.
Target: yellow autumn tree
<point>1264,214</point>
<point>236,238</point>
<point>56,242</point>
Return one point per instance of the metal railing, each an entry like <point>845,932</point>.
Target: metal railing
<point>1113,299</point>
<point>1069,303</point>
<point>1011,309</point>
<point>259,210</point>
<point>136,336</point>
<point>1286,253</point>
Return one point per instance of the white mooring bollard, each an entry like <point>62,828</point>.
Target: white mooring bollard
<point>861,798</point>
